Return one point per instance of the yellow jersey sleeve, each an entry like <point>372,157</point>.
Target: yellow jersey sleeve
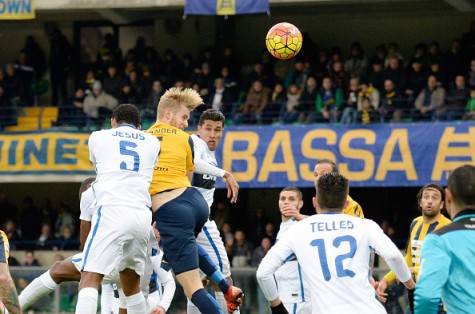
<point>174,161</point>
<point>352,208</point>
<point>4,248</point>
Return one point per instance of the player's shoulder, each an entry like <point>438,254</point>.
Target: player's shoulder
<point>443,221</point>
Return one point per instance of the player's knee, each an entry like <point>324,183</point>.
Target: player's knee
<point>56,272</point>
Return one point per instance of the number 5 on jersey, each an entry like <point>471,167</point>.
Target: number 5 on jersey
<point>322,253</point>
<point>126,151</point>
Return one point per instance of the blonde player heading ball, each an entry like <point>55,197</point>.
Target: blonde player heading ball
<point>333,250</point>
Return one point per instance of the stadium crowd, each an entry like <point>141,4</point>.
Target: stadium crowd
<point>320,85</point>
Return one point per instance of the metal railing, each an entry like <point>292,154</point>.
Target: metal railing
<point>64,298</point>
<point>275,113</point>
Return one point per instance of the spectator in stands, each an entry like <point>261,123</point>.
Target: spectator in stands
<point>329,101</point>
<point>367,90</point>
<point>436,71</point>
<point>230,82</point>
<point>471,74</point>
<point>395,73</point>
<point>44,242</point>
<point>367,113</point>
<point>64,219</point>
<point>10,229</point>
<point>261,251</point>
<point>66,241</point>
<point>30,259</point>
<point>289,113</point>
<point>128,95</point>
<point>416,80</point>
<point>470,108</point>
<point>222,213</point>
<point>241,250</point>
<point>297,75</point>
<point>89,80</point>
<point>434,54</point>
<point>277,102</point>
<point>60,63</point>
<point>308,98</point>
<point>350,106</point>
<point>255,103</point>
<point>456,99</point>
<point>113,82</point>
<point>338,75</point>
<point>376,76</point>
<point>137,88</point>
<point>257,74</point>
<point>77,113</point>
<point>226,232</point>
<point>270,232</point>
<point>204,79</point>
<point>393,52</point>
<point>26,75</point>
<point>357,63</point>
<point>430,102</point>
<point>221,97</point>
<point>321,68</point>
<point>30,219</point>
<point>150,107</point>
<point>98,104</point>
<point>229,60</point>
<point>12,84</point>
<point>455,61</point>
<point>147,81</point>
<point>391,103</point>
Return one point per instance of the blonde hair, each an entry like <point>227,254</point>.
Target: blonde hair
<point>175,97</point>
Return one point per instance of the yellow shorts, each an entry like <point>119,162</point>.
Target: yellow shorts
<point>4,248</point>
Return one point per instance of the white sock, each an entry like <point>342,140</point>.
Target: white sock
<point>38,288</point>
<point>192,309</point>
<point>87,301</point>
<point>219,296</point>
<point>136,304</point>
<point>107,299</point>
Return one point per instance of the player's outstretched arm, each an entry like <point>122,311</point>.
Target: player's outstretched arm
<point>166,279</point>
<point>265,274</point>
<point>433,275</point>
<point>385,248</point>
<point>8,294</point>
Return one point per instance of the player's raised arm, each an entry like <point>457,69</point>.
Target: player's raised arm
<point>265,273</point>
<point>385,248</point>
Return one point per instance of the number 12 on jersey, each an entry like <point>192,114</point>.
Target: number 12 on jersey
<point>322,253</point>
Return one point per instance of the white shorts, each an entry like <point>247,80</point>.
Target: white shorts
<point>299,307</point>
<point>210,239</point>
<point>112,278</point>
<point>117,240</point>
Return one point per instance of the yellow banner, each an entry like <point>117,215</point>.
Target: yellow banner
<point>17,9</point>
<point>45,153</point>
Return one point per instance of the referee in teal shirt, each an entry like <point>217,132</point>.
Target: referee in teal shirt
<point>448,254</point>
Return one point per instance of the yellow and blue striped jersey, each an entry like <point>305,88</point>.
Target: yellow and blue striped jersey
<point>352,208</point>
<point>175,160</point>
<point>417,233</point>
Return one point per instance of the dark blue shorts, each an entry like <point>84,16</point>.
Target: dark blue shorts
<point>179,222</point>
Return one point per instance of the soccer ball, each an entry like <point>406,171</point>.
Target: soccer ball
<point>284,41</point>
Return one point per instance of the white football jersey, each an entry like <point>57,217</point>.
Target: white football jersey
<point>205,183</point>
<point>333,251</point>
<point>124,158</point>
<point>87,205</point>
<point>290,283</point>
